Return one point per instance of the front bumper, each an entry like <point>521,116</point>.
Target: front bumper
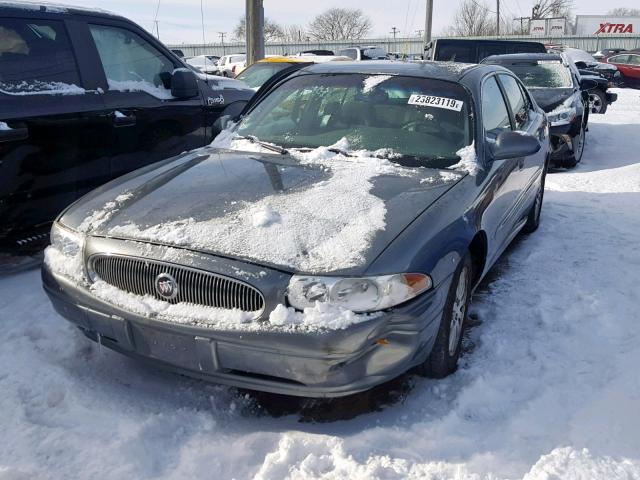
<point>319,364</point>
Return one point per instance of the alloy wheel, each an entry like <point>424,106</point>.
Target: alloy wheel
<point>458,313</point>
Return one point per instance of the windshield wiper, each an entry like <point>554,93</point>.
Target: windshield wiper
<point>268,146</point>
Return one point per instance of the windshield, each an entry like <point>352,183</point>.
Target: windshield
<point>543,75</point>
<point>421,121</point>
<point>373,53</point>
<point>258,73</point>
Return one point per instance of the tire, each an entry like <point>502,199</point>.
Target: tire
<point>573,158</point>
<point>597,101</point>
<point>533,219</point>
<point>443,359</point>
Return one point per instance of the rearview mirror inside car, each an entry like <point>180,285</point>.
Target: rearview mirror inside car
<point>513,145</point>
<point>184,83</point>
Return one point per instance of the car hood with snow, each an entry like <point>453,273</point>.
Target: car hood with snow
<point>314,212</point>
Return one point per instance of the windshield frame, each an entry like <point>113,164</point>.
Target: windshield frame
<point>472,108</point>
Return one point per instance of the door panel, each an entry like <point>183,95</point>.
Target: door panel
<point>147,123</point>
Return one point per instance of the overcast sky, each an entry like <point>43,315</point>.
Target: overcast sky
<point>179,20</point>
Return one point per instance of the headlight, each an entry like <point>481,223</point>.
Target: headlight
<point>366,294</point>
<point>68,242</point>
<point>562,117</point>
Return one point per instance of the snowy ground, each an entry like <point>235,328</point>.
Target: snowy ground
<point>548,389</point>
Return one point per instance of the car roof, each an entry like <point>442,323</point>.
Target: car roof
<point>55,8</point>
<point>512,58</point>
<point>451,71</point>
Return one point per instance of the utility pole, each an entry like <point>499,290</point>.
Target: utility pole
<point>221,35</point>
<point>254,31</point>
<point>428,20</point>
<point>394,30</point>
<point>522,24</point>
<point>498,17</point>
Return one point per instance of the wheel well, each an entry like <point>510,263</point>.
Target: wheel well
<point>478,251</point>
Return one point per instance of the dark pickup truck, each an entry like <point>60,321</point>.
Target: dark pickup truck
<point>87,96</point>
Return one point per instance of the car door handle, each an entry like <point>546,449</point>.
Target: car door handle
<point>121,119</point>
<point>13,134</point>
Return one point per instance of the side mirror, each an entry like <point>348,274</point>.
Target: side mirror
<point>184,83</point>
<point>513,145</point>
<point>588,84</point>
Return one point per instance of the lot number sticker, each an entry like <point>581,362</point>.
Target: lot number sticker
<point>438,102</point>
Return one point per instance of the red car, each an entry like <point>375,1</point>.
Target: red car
<point>628,64</point>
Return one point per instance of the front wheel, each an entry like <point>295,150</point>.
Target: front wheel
<point>572,159</point>
<point>597,101</point>
<point>443,358</point>
<point>533,219</point>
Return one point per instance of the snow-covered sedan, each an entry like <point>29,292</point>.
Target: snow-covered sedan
<point>327,242</point>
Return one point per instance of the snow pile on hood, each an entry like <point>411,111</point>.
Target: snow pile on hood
<point>68,266</point>
<point>468,160</point>
<point>4,126</point>
<point>322,228</point>
<point>99,217</point>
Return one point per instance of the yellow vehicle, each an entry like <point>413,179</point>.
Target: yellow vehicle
<point>257,74</point>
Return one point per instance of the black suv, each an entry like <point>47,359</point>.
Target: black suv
<point>85,97</point>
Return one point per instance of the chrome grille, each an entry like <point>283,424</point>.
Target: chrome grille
<point>137,276</point>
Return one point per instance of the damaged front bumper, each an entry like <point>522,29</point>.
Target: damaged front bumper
<point>326,363</point>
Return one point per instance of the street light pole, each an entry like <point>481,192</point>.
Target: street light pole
<point>254,30</point>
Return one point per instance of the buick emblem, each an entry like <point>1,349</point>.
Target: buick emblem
<point>166,286</point>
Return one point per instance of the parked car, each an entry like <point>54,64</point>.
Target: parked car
<point>231,65</point>
<point>260,72</point>
<point>86,96</point>
<point>628,64</point>
<point>556,86</point>
<point>371,52</point>
<point>205,63</point>
<point>316,52</point>
<point>473,51</point>
<point>607,52</point>
<point>603,74</point>
<point>329,243</point>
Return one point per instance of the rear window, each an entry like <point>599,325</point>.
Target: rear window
<point>373,53</point>
<point>456,52</point>
<point>237,59</point>
<point>36,57</point>
<point>543,74</point>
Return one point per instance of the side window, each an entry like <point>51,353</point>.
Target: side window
<point>619,59</point>
<point>131,63</point>
<point>495,116</point>
<point>634,59</point>
<point>516,100</point>
<point>349,52</point>
<point>36,57</point>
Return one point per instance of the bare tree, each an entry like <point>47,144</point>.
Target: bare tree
<point>625,12</point>
<point>472,18</point>
<point>272,30</point>
<point>340,24</point>
<point>552,8</point>
<point>294,33</point>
